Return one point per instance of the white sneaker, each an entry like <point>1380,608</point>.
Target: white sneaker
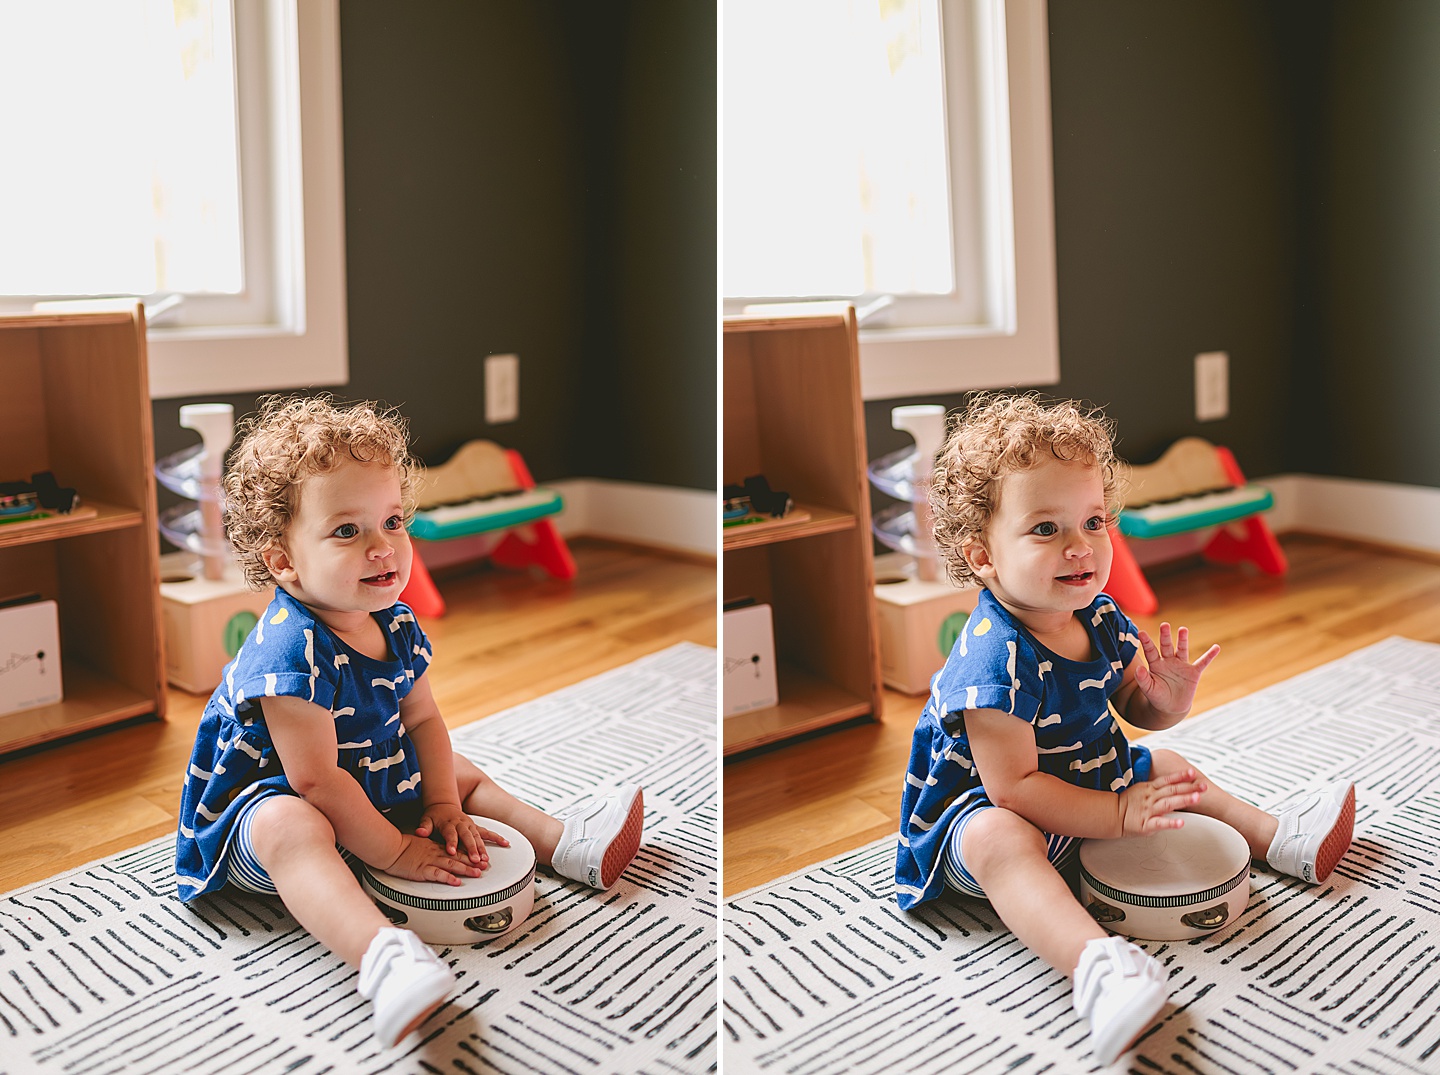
<point>1314,833</point>
<point>405,980</point>
<point>601,838</point>
<point>1120,990</point>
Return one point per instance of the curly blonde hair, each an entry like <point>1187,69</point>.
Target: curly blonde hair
<point>289,440</point>
<point>998,435</point>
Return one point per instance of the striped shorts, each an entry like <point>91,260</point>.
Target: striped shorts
<point>1060,850</point>
<point>243,868</point>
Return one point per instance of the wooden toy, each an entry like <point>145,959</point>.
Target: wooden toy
<point>1195,485</point>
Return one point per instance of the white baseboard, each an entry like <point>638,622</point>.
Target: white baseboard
<point>661,516</point>
<point>1386,513</point>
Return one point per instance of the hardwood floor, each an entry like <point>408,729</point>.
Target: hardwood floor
<point>815,799</point>
<point>507,638</point>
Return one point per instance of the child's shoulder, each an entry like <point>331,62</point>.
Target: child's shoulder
<point>990,647</point>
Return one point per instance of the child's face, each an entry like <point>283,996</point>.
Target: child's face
<point>346,549</point>
<point>1046,549</point>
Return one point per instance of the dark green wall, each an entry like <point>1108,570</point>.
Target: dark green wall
<point>1377,308</point>
<point>533,178</point>
<point>1175,211</point>
<point>1261,178</point>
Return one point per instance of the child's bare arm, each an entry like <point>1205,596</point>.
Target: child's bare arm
<point>1159,691</point>
<point>1003,750</point>
<point>445,815</point>
<point>304,738</point>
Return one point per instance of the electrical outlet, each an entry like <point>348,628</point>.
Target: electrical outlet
<point>502,388</point>
<point>1212,386</point>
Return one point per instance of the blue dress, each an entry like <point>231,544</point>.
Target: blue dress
<point>996,664</point>
<point>289,653</point>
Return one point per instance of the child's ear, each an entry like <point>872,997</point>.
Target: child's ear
<point>282,569</point>
<point>978,557</point>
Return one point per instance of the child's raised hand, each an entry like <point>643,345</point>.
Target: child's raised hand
<point>1166,677</point>
<point>1146,806</point>
<point>452,826</point>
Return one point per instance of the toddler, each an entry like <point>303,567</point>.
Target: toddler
<point>1017,756</point>
<point>323,742</point>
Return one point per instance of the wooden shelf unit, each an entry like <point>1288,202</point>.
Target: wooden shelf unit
<point>78,404</point>
<point>792,412</point>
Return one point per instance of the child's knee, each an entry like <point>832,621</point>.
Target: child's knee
<point>288,821</point>
<point>997,836</point>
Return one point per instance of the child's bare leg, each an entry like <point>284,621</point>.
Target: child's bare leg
<point>481,795</point>
<point>1006,854</point>
<point>296,845</point>
<point>1251,822</point>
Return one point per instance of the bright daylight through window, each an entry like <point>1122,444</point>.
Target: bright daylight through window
<point>836,181</point>
<point>896,154</point>
<point>186,153</point>
<point>126,113</point>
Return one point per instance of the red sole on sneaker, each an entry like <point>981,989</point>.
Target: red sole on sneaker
<point>1337,840</point>
<point>415,1023</point>
<point>622,849</point>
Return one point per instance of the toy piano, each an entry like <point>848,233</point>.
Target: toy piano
<point>479,490</point>
<point>1195,485</point>
<point>486,489</point>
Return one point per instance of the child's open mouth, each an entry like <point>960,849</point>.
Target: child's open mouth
<point>1077,579</point>
<point>385,578</point>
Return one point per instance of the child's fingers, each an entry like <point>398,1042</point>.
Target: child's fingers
<point>492,837</point>
<point>1148,645</point>
<point>1182,643</point>
<point>1205,658</point>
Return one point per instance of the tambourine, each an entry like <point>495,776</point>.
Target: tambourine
<point>1171,885</point>
<point>479,909</point>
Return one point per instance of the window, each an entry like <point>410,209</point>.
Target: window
<point>186,152</point>
<point>896,153</point>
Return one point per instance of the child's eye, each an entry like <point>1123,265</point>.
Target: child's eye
<point>346,530</point>
<point>1045,529</point>
<point>395,522</point>
<point>1095,522</point>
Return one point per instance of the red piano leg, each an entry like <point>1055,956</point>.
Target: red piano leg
<point>1127,582</point>
<point>1255,543</point>
<point>420,592</point>
<point>538,543</point>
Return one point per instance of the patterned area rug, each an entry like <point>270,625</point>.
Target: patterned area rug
<point>103,971</point>
<point>824,974</point>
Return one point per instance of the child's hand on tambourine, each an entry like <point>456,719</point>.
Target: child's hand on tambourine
<point>1166,677</point>
<point>1149,805</point>
<point>448,824</point>
<point>422,859</point>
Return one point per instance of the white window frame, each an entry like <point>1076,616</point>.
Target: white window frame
<point>305,341</point>
<point>1002,107</point>
<point>1019,343</point>
<point>288,329</point>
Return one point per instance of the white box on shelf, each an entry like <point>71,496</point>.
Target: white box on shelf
<point>749,640</point>
<point>919,622</point>
<point>29,656</point>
